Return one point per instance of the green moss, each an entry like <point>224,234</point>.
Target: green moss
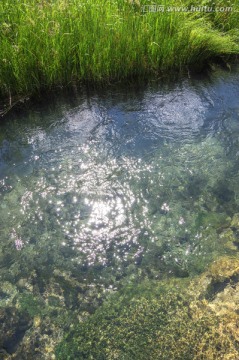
<point>160,325</point>
<point>31,304</point>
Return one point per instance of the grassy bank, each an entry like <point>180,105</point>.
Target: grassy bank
<point>51,43</point>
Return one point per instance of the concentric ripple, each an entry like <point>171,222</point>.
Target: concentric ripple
<point>118,181</point>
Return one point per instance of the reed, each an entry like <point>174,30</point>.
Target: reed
<point>49,43</point>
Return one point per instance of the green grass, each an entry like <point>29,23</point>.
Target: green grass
<point>49,43</point>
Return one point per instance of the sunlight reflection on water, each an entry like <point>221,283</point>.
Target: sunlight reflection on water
<point>114,180</point>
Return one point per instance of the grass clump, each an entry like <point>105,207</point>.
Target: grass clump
<point>51,43</point>
<point>152,323</point>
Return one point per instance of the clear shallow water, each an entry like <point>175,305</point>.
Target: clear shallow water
<point>105,188</point>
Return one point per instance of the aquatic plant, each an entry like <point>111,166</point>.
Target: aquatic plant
<point>54,43</point>
<point>30,304</point>
<point>166,323</point>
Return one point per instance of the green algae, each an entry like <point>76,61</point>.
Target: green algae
<point>182,239</point>
<point>166,323</point>
<point>184,319</point>
<point>31,304</point>
<point>53,282</point>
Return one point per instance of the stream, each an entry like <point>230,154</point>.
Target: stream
<point>101,189</point>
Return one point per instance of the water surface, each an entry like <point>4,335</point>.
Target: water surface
<point>104,188</point>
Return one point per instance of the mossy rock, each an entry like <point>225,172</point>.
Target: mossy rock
<point>224,269</point>
<point>235,221</point>
<point>161,325</point>
<point>229,240</point>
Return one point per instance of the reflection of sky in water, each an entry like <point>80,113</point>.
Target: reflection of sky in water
<point>180,114</point>
<point>106,179</point>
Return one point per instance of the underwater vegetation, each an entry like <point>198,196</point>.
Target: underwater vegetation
<point>57,292</point>
<point>192,318</point>
<point>164,320</point>
<point>114,252</point>
<point>49,44</point>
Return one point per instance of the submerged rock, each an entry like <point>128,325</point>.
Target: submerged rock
<point>224,269</point>
<point>172,319</point>
<point>235,221</point>
<point>13,328</point>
